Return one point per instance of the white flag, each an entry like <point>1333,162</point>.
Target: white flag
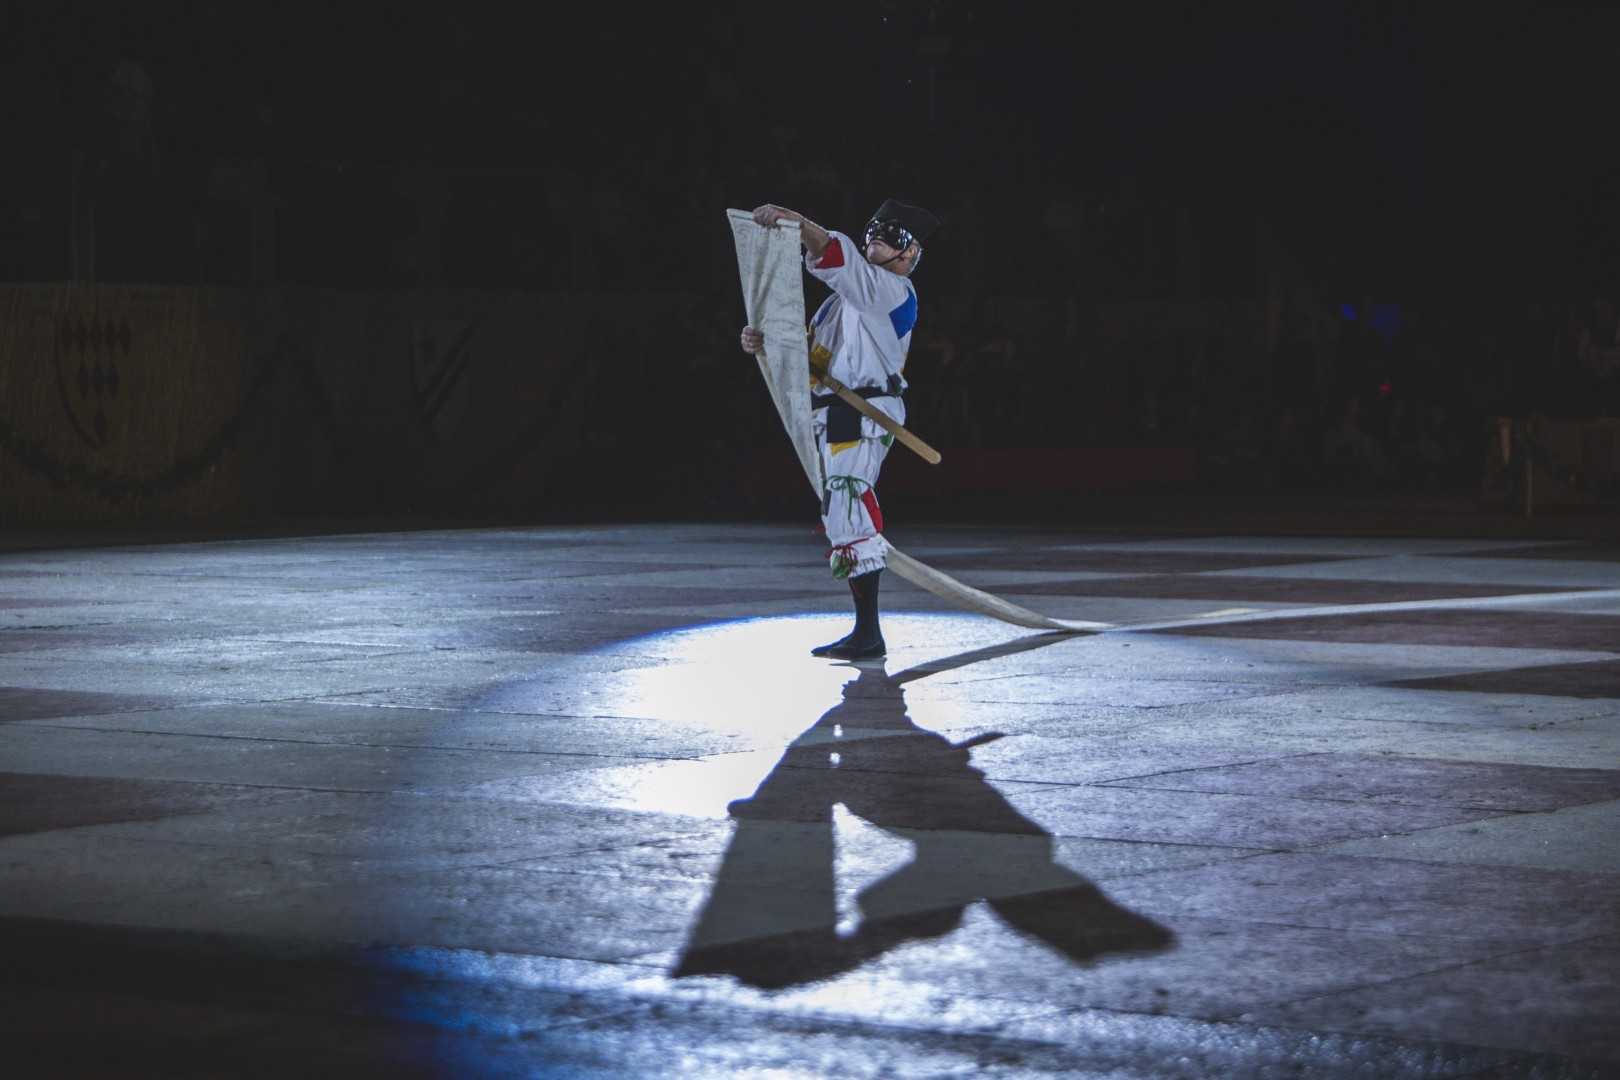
<point>773,294</point>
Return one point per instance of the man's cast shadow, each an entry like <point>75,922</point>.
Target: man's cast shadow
<point>771,919</point>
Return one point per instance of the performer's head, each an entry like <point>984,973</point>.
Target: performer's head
<point>894,236</point>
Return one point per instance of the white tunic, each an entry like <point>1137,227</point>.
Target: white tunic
<point>863,330</point>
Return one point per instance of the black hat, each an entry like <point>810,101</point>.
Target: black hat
<point>914,219</point>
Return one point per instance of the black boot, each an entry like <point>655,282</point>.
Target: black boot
<point>865,642</point>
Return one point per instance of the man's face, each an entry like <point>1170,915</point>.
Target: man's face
<point>891,259</point>
<point>878,253</point>
<point>889,245</point>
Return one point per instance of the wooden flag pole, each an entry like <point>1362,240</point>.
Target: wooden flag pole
<point>872,412</point>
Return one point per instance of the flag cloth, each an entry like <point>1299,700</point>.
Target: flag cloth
<point>773,295</point>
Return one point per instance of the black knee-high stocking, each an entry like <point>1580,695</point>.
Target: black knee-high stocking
<point>865,642</point>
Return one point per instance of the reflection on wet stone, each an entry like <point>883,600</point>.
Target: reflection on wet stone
<point>772,917</point>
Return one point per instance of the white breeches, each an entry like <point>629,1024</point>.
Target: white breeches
<point>849,506</point>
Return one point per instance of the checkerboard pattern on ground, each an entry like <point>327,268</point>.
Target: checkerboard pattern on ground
<point>577,801</point>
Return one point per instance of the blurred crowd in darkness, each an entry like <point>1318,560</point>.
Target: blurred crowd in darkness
<point>385,146</point>
<point>1271,399</point>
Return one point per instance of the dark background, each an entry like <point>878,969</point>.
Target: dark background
<point>1322,242</point>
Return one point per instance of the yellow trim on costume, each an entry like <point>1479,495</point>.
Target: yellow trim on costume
<point>840,447</point>
<point>820,357</point>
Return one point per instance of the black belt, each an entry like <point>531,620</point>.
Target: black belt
<point>892,389</point>
<point>822,401</point>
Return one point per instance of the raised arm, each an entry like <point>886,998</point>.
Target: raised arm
<point>814,236</point>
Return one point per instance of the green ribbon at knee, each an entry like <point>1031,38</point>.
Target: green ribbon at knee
<point>852,487</point>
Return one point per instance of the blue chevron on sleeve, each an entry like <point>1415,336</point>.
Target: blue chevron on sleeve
<point>904,317</point>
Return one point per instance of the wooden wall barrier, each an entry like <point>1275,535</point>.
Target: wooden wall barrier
<point>131,401</point>
<point>1053,471</point>
<point>1553,466</point>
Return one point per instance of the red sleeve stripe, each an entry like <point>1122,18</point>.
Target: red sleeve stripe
<point>833,257</point>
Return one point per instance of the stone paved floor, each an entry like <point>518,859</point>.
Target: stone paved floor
<point>576,802</point>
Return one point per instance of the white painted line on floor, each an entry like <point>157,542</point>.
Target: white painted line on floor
<point>1238,615</point>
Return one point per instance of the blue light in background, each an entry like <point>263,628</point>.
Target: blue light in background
<point>1386,319</point>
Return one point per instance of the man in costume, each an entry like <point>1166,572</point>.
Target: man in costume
<point>859,337</point>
